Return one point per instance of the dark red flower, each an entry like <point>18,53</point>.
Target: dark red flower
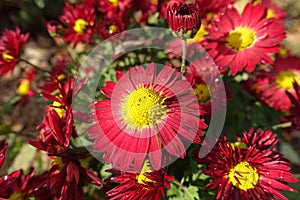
<point>145,185</point>
<point>3,147</point>
<point>184,19</point>
<point>295,108</point>
<point>17,185</point>
<point>11,43</point>
<point>247,173</point>
<point>114,8</point>
<point>80,22</point>
<point>109,27</point>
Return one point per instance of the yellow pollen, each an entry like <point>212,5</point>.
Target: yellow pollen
<point>114,2</point>
<point>58,161</point>
<point>80,26</point>
<point>24,87</point>
<point>283,52</point>
<point>285,79</point>
<point>61,77</point>
<point>58,108</point>
<point>270,13</point>
<point>18,196</point>
<point>112,29</point>
<point>242,145</point>
<point>141,178</point>
<point>202,93</point>
<point>144,107</point>
<point>199,35</point>
<point>6,56</point>
<point>241,38</point>
<point>243,176</point>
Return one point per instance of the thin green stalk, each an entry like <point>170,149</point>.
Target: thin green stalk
<point>184,43</point>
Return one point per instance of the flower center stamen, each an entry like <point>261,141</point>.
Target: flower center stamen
<point>285,79</point>
<point>241,38</point>
<point>114,2</point>
<point>243,176</point>
<point>18,196</point>
<point>141,178</point>
<point>58,108</point>
<point>202,93</point>
<point>6,56</point>
<point>24,87</point>
<point>112,29</point>
<point>144,107</point>
<point>80,26</point>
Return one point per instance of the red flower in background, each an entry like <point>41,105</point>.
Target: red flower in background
<point>147,184</point>
<point>247,173</point>
<point>114,8</point>
<point>80,22</point>
<point>20,186</point>
<point>242,41</point>
<point>110,27</point>
<point>25,89</point>
<point>146,115</point>
<point>271,85</point>
<point>3,147</point>
<point>11,43</point>
<point>295,108</point>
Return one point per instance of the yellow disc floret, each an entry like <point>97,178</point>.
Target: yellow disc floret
<point>80,26</point>
<point>144,107</point>
<point>18,196</point>
<point>202,93</point>
<point>241,145</point>
<point>24,87</point>
<point>241,38</point>
<point>243,176</point>
<point>285,79</point>
<point>141,178</point>
<point>6,56</point>
<point>114,2</point>
<point>58,108</point>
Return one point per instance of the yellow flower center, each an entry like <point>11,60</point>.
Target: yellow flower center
<point>18,196</point>
<point>58,108</point>
<point>141,178</point>
<point>144,107</point>
<point>112,29</point>
<point>271,13</point>
<point>80,26</point>
<point>241,38</point>
<point>24,87</point>
<point>58,161</point>
<point>243,176</point>
<point>283,52</point>
<point>114,2</point>
<point>202,93</point>
<point>199,35</point>
<point>6,57</point>
<point>285,79</point>
<point>242,145</point>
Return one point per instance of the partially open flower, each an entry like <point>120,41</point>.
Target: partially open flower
<point>184,19</point>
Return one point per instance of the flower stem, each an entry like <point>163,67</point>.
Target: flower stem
<point>182,69</point>
<point>33,65</point>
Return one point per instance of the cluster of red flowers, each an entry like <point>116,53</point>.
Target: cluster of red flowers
<point>144,118</point>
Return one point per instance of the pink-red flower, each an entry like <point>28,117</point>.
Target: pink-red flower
<point>11,43</point>
<point>294,117</point>
<point>147,116</point>
<point>271,85</point>
<point>242,41</point>
<point>241,172</point>
<point>147,184</point>
<point>79,20</point>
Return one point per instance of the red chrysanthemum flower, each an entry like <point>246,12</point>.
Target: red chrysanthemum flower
<point>247,173</point>
<point>110,27</point>
<point>3,147</point>
<point>242,41</point>
<point>271,86</point>
<point>17,185</point>
<point>295,108</point>
<point>184,19</point>
<point>164,4</point>
<point>80,21</point>
<point>148,184</point>
<point>147,115</point>
<point>114,8</point>
<point>11,43</point>
<point>274,11</point>
<point>205,81</point>
<point>147,7</point>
